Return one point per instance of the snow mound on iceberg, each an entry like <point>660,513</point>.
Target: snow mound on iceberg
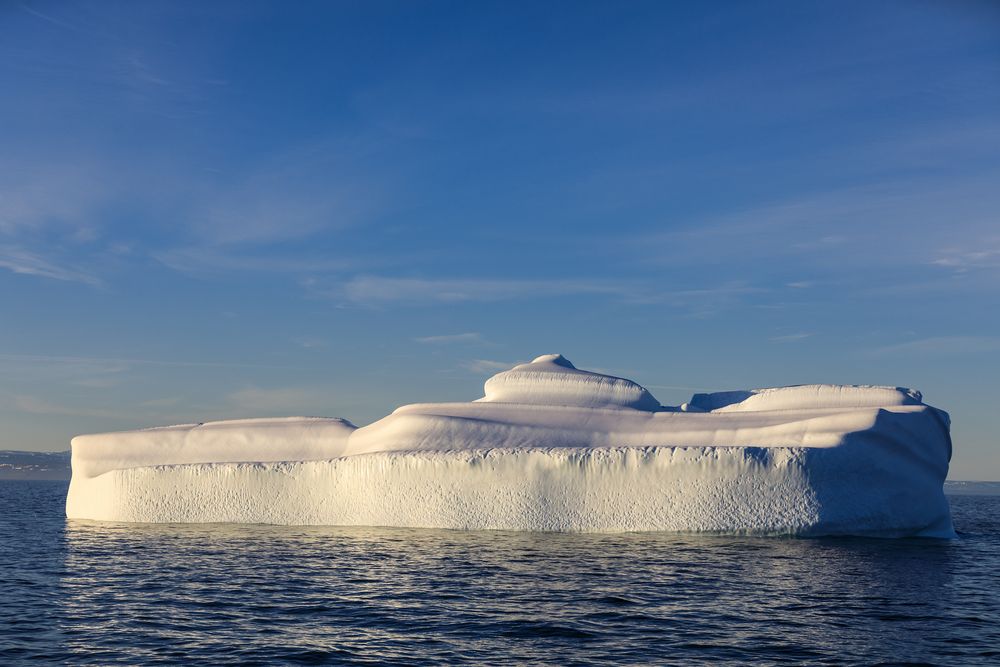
<point>552,380</point>
<point>805,396</point>
<point>549,447</point>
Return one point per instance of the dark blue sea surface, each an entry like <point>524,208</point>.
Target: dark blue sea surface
<point>89,593</point>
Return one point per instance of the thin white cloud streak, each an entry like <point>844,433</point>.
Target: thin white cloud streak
<point>482,366</point>
<point>321,186</point>
<point>49,222</point>
<point>37,406</point>
<point>983,255</point>
<point>55,359</point>
<point>98,382</point>
<point>37,194</point>
<point>377,291</point>
<point>273,400</point>
<point>248,215</point>
<point>473,337</point>
<point>52,221</point>
<point>130,416</point>
<point>310,342</point>
<point>373,290</point>
<point>201,261</point>
<point>24,262</point>
<point>702,297</point>
<point>794,89</point>
<point>941,346</point>
<point>848,229</point>
<point>789,338</point>
<point>49,19</point>
<point>261,219</point>
<point>165,402</point>
<point>948,284</point>
<point>786,229</point>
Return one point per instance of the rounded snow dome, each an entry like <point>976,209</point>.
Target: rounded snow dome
<point>552,380</point>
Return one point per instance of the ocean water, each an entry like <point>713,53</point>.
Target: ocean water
<point>90,593</point>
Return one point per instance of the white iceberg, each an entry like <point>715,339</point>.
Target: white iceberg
<point>549,447</point>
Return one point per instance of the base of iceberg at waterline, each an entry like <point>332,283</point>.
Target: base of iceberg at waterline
<point>726,490</point>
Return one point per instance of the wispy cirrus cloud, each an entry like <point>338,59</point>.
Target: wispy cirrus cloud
<point>940,346</point>
<point>329,183</point>
<point>46,226</point>
<point>481,366</point>
<point>713,296</point>
<point>164,402</point>
<point>266,208</point>
<point>75,361</point>
<point>25,262</point>
<point>985,254</point>
<point>273,399</point>
<point>211,260</point>
<point>472,337</point>
<point>287,213</point>
<point>847,230</point>
<point>377,291</point>
<point>792,337</point>
<point>310,342</point>
<point>374,290</point>
<point>39,406</point>
<point>38,193</point>
<point>263,217</point>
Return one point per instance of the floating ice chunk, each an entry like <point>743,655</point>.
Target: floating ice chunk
<point>549,447</point>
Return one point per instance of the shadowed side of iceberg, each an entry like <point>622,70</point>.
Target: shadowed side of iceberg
<point>890,477</point>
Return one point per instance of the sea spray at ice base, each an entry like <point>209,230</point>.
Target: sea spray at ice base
<point>549,447</point>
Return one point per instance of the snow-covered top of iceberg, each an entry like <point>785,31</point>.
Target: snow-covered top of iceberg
<point>552,379</point>
<point>547,403</point>
<point>805,396</point>
<point>230,441</point>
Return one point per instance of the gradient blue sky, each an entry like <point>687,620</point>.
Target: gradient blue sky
<point>220,210</point>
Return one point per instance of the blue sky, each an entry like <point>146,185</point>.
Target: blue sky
<point>220,210</point>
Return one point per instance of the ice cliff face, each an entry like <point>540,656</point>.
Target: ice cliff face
<point>549,447</point>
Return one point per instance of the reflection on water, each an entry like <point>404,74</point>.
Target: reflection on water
<point>105,593</point>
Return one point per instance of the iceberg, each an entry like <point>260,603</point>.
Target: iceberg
<point>549,447</point>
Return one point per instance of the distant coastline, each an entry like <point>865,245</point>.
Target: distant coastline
<point>960,488</point>
<point>17,465</point>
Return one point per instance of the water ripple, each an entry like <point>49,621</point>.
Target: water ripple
<point>91,593</point>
